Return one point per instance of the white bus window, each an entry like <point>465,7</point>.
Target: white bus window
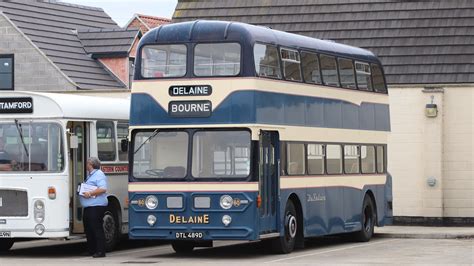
<point>329,70</point>
<point>31,147</point>
<point>217,59</point>
<point>160,154</point>
<point>351,159</point>
<point>291,64</point>
<point>162,61</point>
<point>367,155</point>
<point>122,133</point>
<point>346,73</point>
<point>221,154</point>
<point>315,156</point>
<point>364,81</point>
<point>310,66</point>
<point>106,141</point>
<point>334,159</point>
<point>377,79</point>
<point>295,159</point>
<point>380,159</point>
<point>267,63</point>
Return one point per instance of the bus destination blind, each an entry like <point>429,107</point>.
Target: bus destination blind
<point>20,105</point>
<point>191,109</point>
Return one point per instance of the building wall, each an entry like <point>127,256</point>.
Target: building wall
<point>118,66</point>
<point>33,72</point>
<point>440,149</point>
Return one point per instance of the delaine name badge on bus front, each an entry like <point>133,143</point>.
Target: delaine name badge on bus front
<point>190,109</point>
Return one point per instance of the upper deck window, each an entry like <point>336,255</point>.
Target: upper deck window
<point>163,61</point>
<point>291,64</point>
<point>377,79</point>
<point>364,82</point>
<point>266,59</point>
<point>310,65</point>
<point>329,70</point>
<point>346,73</point>
<point>217,59</point>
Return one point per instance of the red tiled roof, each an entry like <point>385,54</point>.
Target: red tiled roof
<point>152,21</point>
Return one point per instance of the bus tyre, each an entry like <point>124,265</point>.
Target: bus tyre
<point>183,247</point>
<point>111,229</point>
<point>286,243</point>
<point>368,220</point>
<point>6,244</point>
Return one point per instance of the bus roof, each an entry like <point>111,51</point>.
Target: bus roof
<point>246,34</point>
<point>70,106</point>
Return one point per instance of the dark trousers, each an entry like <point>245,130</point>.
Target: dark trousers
<point>93,227</point>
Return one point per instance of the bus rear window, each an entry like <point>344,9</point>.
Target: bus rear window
<point>163,61</point>
<point>217,59</point>
<point>267,63</point>
<point>377,79</point>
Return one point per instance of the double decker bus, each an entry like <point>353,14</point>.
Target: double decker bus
<point>45,140</point>
<point>241,132</point>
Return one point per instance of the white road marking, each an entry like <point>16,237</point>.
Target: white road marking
<point>331,250</point>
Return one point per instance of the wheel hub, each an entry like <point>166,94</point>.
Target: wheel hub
<point>292,225</point>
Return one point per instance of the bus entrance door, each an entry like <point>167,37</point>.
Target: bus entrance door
<point>77,140</point>
<point>268,180</point>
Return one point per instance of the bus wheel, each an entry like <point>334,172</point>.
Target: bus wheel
<point>111,229</point>
<point>368,221</point>
<point>6,244</point>
<point>183,247</point>
<point>286,243</point>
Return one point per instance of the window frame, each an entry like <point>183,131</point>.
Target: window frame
<point>384,156</point>
<point>323,146</point>
<point>192,55</point>
<point>305,170</point>
<point>353,73</point>
<point>337,71</point>
<point>117,123</point>
<point>371,89</point>
<point>278,58</point>
<point>341,149</point>
<point>280,49</point>
<point>114,138</point>
<point>12,57</point>
<point>319,68</point>
<point>382,72</point>
<point>374,161</point>
<point>358,159</point>
<point>188,61</point>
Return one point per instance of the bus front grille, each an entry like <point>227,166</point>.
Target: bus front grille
<point>13,203</point>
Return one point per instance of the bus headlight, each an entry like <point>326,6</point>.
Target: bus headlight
<point>226,220</point>
<point>39,211</point>
<point>39,229</point>
<point>151,220</point>
<point>151,202</point>
<point>226,202</point>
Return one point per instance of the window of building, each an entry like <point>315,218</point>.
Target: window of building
<point>310,66</point>
<point>346,73</point>
<point>329,70</point>
<point>364,82</point>
<point>267,63</point>
<point>122,133</point>
<point>106,147</point>
<point>351,159</point>
<point>291,64</point>
<point>131,71</point>
<point>380,159</point>
<point>217,59</point>
<point>334,159</point>
<point>295,159</point>
<point>315,156</point>
<point>6,72</point>
<point>367,156</point>
<point>377,79</point>
<point>164,61</point>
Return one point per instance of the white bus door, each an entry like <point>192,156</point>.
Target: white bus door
<point>78,170</point>
<point>268,181</point>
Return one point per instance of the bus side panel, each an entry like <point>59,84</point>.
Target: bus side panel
<point>317,214</point>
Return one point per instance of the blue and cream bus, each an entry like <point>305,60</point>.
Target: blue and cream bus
<point>241,132</point>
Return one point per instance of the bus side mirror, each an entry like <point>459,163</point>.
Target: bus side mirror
<point>74,142</point>
<point>124,145</point>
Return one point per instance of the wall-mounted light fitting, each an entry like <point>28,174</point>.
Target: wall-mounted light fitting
<point>431,109</point>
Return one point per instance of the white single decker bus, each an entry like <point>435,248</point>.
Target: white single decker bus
<point>45,140</point>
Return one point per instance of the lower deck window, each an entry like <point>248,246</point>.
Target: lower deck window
<point>351,159</point>
<point>295,159</point>
<point>334,159</point>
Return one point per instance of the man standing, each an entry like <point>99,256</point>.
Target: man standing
<point>95,203</point>
<point>5,160</point>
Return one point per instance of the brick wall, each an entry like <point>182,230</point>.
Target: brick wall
<point>118,66</point>
<point>33,72</point>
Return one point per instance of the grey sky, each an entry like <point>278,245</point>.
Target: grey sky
<point>122,10</point>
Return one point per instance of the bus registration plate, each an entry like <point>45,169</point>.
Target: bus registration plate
<point>5,234</point>
<point>189,235</point>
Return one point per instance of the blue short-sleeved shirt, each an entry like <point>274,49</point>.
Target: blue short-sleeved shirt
<point>96,178</point>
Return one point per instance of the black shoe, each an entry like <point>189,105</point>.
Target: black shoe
<point>98,255</point>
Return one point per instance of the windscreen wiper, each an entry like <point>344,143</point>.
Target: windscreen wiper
<point>20,132</point>
<point>149,138</point>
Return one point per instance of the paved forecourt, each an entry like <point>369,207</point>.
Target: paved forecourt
<point>323,250</point>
